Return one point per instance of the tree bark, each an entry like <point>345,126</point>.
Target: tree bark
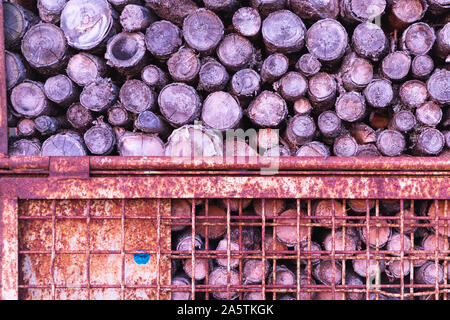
<point>184,66</point>
<point>61,90</point>
<point>267,110</point>
<point>16,70</point>
<point>79,117</point>
<point>247,22</point>
<point>66,144</point>
<point>235,52</point>
<point>136,18</point>
<point>28,99</point>
<point>121,4</point>
<point>221,111</point>
<point>162,39</point>
<point>313,10</point>
<point>84,68</point>
<point>98,96</point>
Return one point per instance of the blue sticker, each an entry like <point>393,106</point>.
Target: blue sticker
<point>141,258</point>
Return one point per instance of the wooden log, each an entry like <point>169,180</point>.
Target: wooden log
<point>79,117</point>
<point>182,208</point>
<point>292,86</point>
<point>418,39</point>
<point>327,40</point>
<point>323,209</point>
<point>284,276</point>
<point>286,229</point>
<point>250,236</point>
<point>353,279</point>
<point>284,32</point>
<point>345,146</point>
<point>184,241</point>
<point>375,266</point>
<point>379,93</point>
<point>422,66</point>
<point>45,48</point>
<point>99,95</point>
<point>313,149</point>
<point>49,125</point>
<point>194,141</point>
<point>130,144</point>
<point>253,296</point>
<point>64,144</point>
<point>274,67</point>
<point>379,119</point>
<point>447,138</point>
<point>440,209</point>
<point>428,243</point>
<point>221,111</point>
<point>428,141</point>
<point>184,66</point>
<point>265,138</point>
<point>61,90</point>
<point>50,10</point>
<point>88,24</point>
<point>173,10</point>
<point>363,133</point>
<point>180,295</point>
<point>149,122</point>
<point>213,76</point>
<point>235,204</point>
<point>223,246</point>
<point>120,5</point>
<point>391,143</point>
<point>271,244</point>
<point>136,18</point>
<point>356,73</point>
<point>247,22</point>
<point>409,226</point>
<point>203,30</point>
<point>28,99</point>
<point>216,225</point>
<point>162,39</point>
<point>252,271</point>
<point>438,7</point>
<point>17,21</point>
<point>395,244</point>
<point>137,97</point>
<point>300,130</point>
<point>16,70</point>
<point>84,68</point>
<point>343,241</point>
<point>413,93</point>
<point>308,65</point>
<point>438,85</point>
<point>25,147</point>
<point>272,207</point>
<point>330,125</point>
<point>154,77</point>
<point>179,104</point>
<point>355,11</point>
<point>443,42</point>
<point>100,139</point>
<point>394,267</point>
<point>221,6</point>
<point>395,66</point>
<point>265,7</point>
<point>405,12</point>
<point>201,267</point>
<point>314,10</point>
<point>378,231</point>
<point>361,206</point>
<point>429,114</point>
<point>302,107</point>
<point>267,110</point>
<point>219,277</point>
<point>235,52</point>
<point>403,121</point>
<point>351,107</point>
<point>236,147</point>
<point>322,90</point>
<point>26,128</point>
<point>430,273</point>
<point>245,83</point>
<point>326,273</point>
<point>126,52</point>
<point>368,150</point>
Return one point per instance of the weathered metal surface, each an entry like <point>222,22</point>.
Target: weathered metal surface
<point>9,248</point>
<point>3,97</point>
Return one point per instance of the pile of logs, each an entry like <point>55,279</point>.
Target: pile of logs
<point>407,246</point>
<point>313,78</point>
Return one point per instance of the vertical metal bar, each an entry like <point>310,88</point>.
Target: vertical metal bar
<point>343,275</point>
<point>263,238</point>
<point>402,253</point>
<point>411,262</point>
<point>158,253</point>
<point>333,250</point>
<point>309,245</point>
<point>3,97</point>
<point>446,246</point>
<point>122,253</point>
<point>207,246</point>
<point>240,248</point>
<point>9,264</point>
<point>298,250</point>
<point>436,250</point>
<point>377,248</point>
<point>274,262</point>
<point>228,249</point>
<point>52,264</point>
<point>193,249</point>
<point>368,280</point>
<point>88,249</point>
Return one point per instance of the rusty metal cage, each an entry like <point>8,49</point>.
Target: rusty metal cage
<point>101,227</point>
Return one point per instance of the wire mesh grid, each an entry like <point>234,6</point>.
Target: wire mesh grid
<point>234,249</point>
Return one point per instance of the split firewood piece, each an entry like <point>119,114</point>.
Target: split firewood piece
<point>98,96</point>
<point>126,52</point>
<point>17,22</point>
<point>149,122</point>
<point>100,139</point>
<point>267,110</point>
<point>179,104</point>
<point>28,99</point>
<point>327,40</point>
<point>88,24</point>
<point>139,144</point>
<point>79,117</point>
<point>235,52</point>
<point>283,31</point>
<point>25,147</point>
<point>154,77</point>
<point>84,68</point>
<point>173,10</point>
<point>65,144</point>
<point>213,76</point>
<point>247,22</point>
<point>136,18</point>
<point>50,10</point>
<point>203,30</point>
<point>16,70</point>
<point>137,97</point>
<point>184,66</point>
<point>162,39</point>
<point>313,10</point>
<point>221,111</point>
<point>45,48</point>
<point>61,90</point>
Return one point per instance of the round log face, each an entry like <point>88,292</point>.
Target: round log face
<point>203,30</point>
<point>327,40</point>
<point>28,99</point>
<point>418,39</point>
<point>268,109</point>
<point>221,111</point>
<point>84,68</point>
<point>235,51</point>
<point>245,83</point>
<point>247,21</point>
<point>163,38</point>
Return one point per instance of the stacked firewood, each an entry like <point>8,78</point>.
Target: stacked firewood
<point>154,78</point>
<point>407,246</point>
